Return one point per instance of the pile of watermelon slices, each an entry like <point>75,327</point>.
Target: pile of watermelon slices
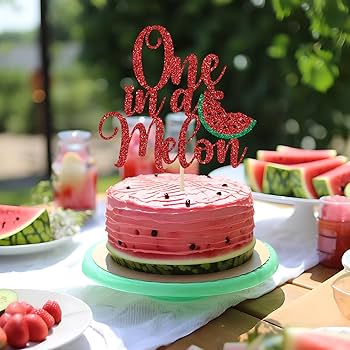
<point>296,172</point>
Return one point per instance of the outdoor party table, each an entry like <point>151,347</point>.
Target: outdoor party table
<point>144,323</point>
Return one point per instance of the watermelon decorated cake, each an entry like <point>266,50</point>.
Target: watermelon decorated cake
<point>155,227</point>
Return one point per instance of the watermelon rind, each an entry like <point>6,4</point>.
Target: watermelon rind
<point>36,230</point>
<point>249,174</point>
<point>216,133</point>
<point>276,180</point>
<point>181,267</point>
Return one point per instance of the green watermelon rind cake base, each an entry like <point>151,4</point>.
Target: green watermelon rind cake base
<point>188,269</point>
<point>179,291</point>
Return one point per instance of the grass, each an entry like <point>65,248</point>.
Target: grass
<point>23,195</point>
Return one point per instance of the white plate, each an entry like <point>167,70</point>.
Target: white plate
<point>76,317</point>
<point>345,260</point>
<point>33,248</point>
<point>238,175</point>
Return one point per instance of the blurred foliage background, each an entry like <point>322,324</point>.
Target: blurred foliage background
<point>288,64</point>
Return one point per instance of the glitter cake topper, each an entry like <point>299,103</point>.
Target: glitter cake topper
<point>208,112</point>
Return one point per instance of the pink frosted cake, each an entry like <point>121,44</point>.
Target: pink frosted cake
<point>154,227</point>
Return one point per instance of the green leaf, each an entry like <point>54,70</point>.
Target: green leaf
<point>279,46</point>
<point>317,67</point>
<point>284,8</point>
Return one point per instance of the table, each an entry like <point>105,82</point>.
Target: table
<point>237,321</point>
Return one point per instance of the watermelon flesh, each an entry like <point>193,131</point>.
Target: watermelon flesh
<point>254,173</point>
<point>333,181</point>
<point>291,157</point>
<point>326,152</point>
<point>301,175</point>
<point>24,225</point>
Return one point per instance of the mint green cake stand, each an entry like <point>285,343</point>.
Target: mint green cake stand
<point>100,267</point>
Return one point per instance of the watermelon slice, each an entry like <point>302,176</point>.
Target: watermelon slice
<point>333,181</point>
<point>301,175</point>
<point>276,180</point>
<point>301,339</point>
<point>326,152</point>
<point>254,173</point>
<point>218,122</point>
<point>24,225</point>
<point>292,157</point>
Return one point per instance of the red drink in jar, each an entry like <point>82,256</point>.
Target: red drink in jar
<point>333,230</point>
<point>74,172</point>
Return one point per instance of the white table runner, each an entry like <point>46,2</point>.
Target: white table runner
<point>134,322</point>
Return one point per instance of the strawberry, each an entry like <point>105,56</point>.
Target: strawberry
<point>28,308</point>
<point>53,308</point>
<point>37,327</point>
<point>3,339</point>
<point>4,318</point>
<point>49,320</point>
<point>15,308</point>
<point>17,331</point>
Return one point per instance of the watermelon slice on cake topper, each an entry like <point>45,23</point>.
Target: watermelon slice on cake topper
<point>222,124</point>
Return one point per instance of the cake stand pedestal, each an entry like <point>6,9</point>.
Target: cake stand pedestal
<point>100,267</point>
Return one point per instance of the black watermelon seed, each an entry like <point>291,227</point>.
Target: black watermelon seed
<point>17,218</point>
<point>227,240</point>
<point>120,242</point>
<point>192,246</point>
<point>154,233</point>
<point>155,175</point>
<point>224,185</point>
<point>3,224</point>
<point>218,193</point>
<point>137,232</point>
<point>128,187</point>
<point>166,195</point>
<point>188,203</point>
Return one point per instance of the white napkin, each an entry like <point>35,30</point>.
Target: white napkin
<point>143,323</point>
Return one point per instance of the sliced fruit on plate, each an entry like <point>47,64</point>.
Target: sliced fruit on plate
<point>333,181</point>
<point>291,157</point>
<point>24,225</point>
<point>301,339</point>
<point>17,331</point>
<point>276,180</point>
<point>326,152</point>
<point>301,175</point>
<point>254,173</point>
<point>3,339</point>
<point>7,296</point>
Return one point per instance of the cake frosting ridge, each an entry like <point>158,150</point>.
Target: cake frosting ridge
<point>150,220</point>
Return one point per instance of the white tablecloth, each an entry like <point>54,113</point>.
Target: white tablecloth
<point>134,322</point>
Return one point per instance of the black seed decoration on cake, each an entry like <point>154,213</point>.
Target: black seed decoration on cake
<point>166,195</point>
<point>188,203</point>
<point>218,193</point>
<point>120,242</point>
<point>128,187</point>
<point>192,246</point>
<point>227,240</point>
<point>155,175</point>
<point>154,233</point>
<point>209,176</point>
<point>224,185</point>
<point>137,232</point>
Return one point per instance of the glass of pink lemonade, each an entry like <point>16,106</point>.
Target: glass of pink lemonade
<point>74,171</point>
<point>333,230</point>
<point>136,165</point>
